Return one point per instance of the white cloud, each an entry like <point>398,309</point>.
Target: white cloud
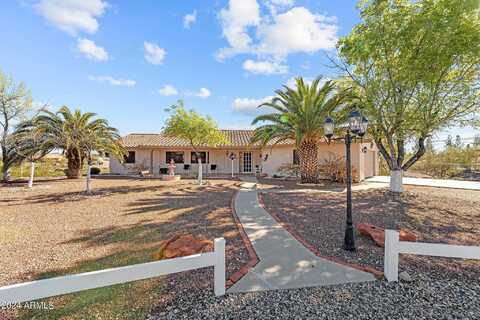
<point>203,93</point>
<point>189,19</point>
<point>284,3</point>
<point>249,106</point>
<point>278,5</point>
<point>153,53</point>
<point>112,81</point>
<point>72,16</point>
<point>264,67</point>
<point>305,65</point>
<point>297,30</point>
<point>235,21</point>
<point>91,51</point>
<point>168,90</point>
<point>274,36</point>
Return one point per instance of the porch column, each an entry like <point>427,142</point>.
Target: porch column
<point>151,161</point>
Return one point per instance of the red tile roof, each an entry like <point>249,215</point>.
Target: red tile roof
<point>236,138</point>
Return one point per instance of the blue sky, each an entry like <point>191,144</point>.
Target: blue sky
<point>129,60</point>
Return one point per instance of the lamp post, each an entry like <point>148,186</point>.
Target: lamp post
<point>357,125</point>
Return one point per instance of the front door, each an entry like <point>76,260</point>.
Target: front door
<point>246,162</point>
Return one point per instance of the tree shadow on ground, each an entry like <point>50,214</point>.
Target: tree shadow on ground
<point>203,213</point>
<point>320,219</point>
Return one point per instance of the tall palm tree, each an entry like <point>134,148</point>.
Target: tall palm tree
<point>78,134</point>
<point>299,115</point>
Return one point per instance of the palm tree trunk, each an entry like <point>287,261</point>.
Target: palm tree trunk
<point>308,161</point>
<point>74,164</point>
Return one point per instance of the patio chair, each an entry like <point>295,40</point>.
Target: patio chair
<point>213,168</point>
<point>186,169</point>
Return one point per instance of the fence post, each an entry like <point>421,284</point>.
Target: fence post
<point>390,267</point>
<point>219,268</point>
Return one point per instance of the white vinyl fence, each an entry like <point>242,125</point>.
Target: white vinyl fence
<point>34,290</point>
<point>393,247</point>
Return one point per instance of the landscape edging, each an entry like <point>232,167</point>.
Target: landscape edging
<point>236,276</point>
<point>377,273</point>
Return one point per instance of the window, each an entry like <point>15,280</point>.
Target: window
<point>203,156</point>
<point>130,158</point>
<point>177,156</point>
<point>296,158</point>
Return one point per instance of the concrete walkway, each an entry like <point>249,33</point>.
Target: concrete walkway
<point>439,183</point>
<point>284,262</point>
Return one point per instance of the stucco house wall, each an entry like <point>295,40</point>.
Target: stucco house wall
<point>277,156</point>
<point>150,154</point>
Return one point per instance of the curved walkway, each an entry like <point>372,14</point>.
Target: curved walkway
<point>284,262</point>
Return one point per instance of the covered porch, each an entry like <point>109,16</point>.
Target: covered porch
<point>215,162</point>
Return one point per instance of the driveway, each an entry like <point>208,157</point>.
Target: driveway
<point>439,183</point>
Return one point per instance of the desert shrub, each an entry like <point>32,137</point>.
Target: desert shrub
<point>44,168</point>
<point>446,163</point>
<point>95,170</point>
<point>334,169</point>
<point>290,170</point>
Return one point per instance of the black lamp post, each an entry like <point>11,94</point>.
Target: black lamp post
<point>357,125</point>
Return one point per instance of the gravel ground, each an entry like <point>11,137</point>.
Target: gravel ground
<point>436,215</point>
<point>441,288</point>
<point>56,229</point>
<point>421,299</point>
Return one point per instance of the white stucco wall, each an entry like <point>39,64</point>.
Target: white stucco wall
<point>365,163</point>
<point>281,155</point>
<point>277,157</point>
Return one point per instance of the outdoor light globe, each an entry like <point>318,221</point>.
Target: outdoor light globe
<point>363,127</point>
<point>355,122</point>
<point>328,127</point>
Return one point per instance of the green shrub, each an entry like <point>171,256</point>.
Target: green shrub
<point>446,163</point>
<point>334,168</point>
<point>95,170</point>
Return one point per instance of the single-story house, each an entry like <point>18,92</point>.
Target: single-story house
<point>153,152</point>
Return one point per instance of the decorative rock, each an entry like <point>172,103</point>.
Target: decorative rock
<point>181,246</point>
<point>404,276</point>
<point>378,234</point>
<point>407,235</point>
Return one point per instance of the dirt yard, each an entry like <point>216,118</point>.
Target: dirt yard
<point>56,229</point>
<point>436,215</point>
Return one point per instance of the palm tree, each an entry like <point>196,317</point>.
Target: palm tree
<point>299,115</point>
<point>78,134</point>
<point>30,145</point>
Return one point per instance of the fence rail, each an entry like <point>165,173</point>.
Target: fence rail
<point>393,247</point>
<point>39,289</point>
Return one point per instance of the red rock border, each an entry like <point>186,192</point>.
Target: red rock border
<point>378,274</point>
<point>248,245</point>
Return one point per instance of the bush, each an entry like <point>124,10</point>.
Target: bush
<point>446,163</point>
<point>95,170</point>
<point>290,170</point>
<point>334,169</point>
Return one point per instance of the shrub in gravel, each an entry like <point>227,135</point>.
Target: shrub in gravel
<point>95,170</point>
